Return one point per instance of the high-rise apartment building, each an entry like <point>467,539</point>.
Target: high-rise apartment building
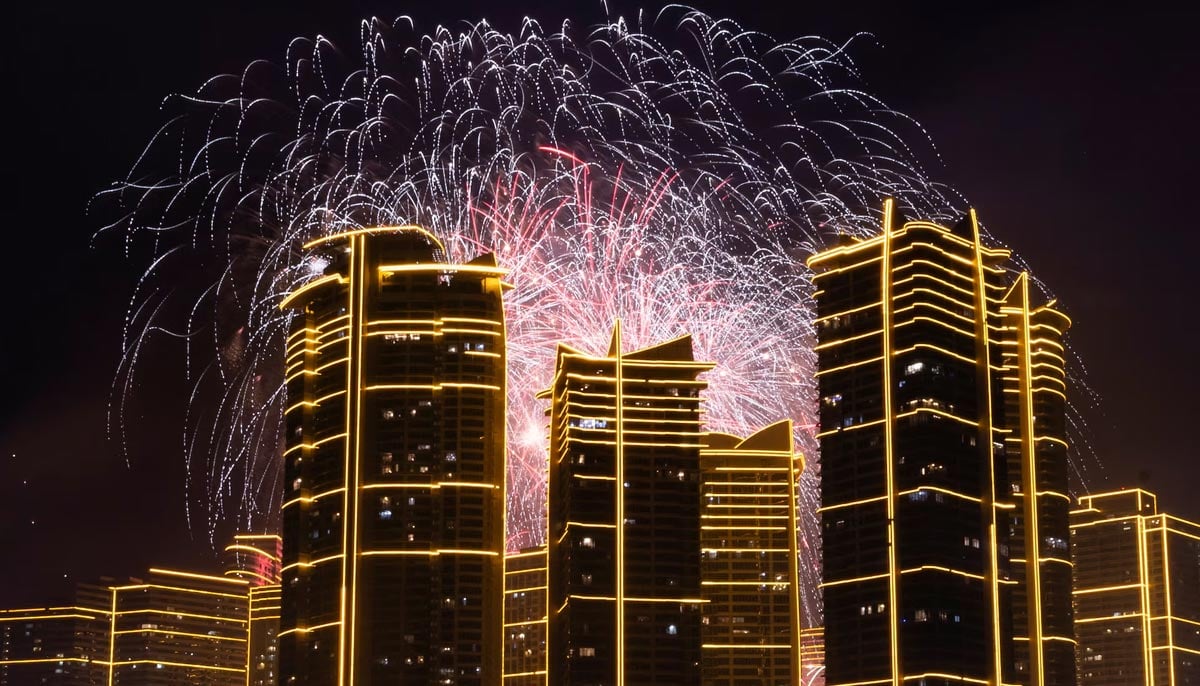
<point>525,617</point>
<point>942,463</point>
<point>1033,381</point>
<point>178,627</point>
<point>749,576</point>
<point>1137,592</point>
<point>393,513</point>
<point>624,516</point>
<point>167,628</point>
<point>50,646</point>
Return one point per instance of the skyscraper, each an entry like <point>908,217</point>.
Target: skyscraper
<point>1137,592</point>
<point>178,627</point>
<point>749,576</point>
<point>393,513</point>
<point>942,461</point>
<point>1033,380</point>
<point>624,515</point>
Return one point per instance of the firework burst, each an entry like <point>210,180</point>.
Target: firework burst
<point>672,172</point>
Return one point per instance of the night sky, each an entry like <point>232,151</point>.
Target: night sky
<point>1074,131</point>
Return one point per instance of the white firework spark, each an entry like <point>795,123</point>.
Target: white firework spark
<point>673,173</point>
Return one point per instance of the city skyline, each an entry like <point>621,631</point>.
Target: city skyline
<point>169,509</point>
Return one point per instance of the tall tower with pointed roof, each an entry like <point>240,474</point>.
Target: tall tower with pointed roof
<point>624,599</point>
<point>393,504</point>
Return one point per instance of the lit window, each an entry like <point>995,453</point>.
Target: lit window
<point>914,368</point>
<point>672,630</point>
<point>587,652</point>
<point>587,542</point>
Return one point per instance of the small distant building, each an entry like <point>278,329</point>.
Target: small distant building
<point>51,646</point>
<point>257,560</point>
<point>179,627</point>
<point>1137,592</point>
<point>167,628</point>
<point>525,617</point>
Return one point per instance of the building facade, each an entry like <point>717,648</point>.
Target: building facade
<point>393,513</point>
<point>942,462</point>
<point>525,617</point>
<point>624,516</point>
<point>256,558</point>
<point>56,646</point>
<point>167,628</point>
<point>1137,592</point>
<point>178,627</point>
<point>749,560</point>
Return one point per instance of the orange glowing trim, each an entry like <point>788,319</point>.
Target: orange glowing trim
<point>308,630</point>
<point>308,288</point>
<point>193,575</point>
<point>441,268</point>
<point>180,633</point>
<point>855,580</point>
<point>186,665</point>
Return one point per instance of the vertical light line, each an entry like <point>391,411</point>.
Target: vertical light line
<point>1168,611</point>
<point>619,416</point>
<point>348,492</point>
<point>499,629</point>
<point>358,287</point>
<point>983,345</point>
<point>249,629</point>
<point>1144,583</point>
<point>1033,551</point>
<point>112,636</point>
<point>794,473</point>
<point>885,292</point>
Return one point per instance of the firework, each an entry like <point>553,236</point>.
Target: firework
<point>671,171</point>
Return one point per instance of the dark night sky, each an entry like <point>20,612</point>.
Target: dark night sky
<point>1073,130</point>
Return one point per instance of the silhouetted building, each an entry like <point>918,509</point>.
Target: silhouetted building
<point>624,515</point>
<point>942,454</point>
<point>525,617</point>
<point>393,513</point>
<point>749,576</point>
<point>1137,592</point>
